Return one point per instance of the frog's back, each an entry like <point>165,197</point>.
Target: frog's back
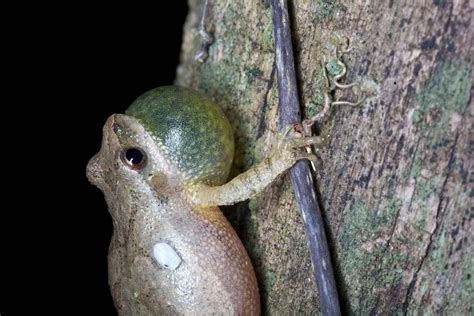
<point>191,129</point>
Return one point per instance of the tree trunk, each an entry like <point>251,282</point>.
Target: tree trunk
<point>395,183</point>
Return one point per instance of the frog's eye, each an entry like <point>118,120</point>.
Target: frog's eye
<point>134,158</point>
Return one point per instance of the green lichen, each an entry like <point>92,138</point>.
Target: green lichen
<point>218,78</point>
<point>459,276</point>
<point>333,67</point>
<point>370,86</point>
<point>347,149</point>
<point>231,15</point>
<point>313,107</point>
<point>252,74</point>
<point>417,117</point>
<point>251,231</point>
<point>265,275</point>
<point>269,278</point>
<point>316,105</point>
<point>392,206</point>
<point>325,9</point>
<point>267,37</point>
<point>447,93</point>
<point>438,256</point>
<point>367,269</point>
<point>425,189</point>
<point>362,223</point>
<point>253,205</point>
<point>467,283</point>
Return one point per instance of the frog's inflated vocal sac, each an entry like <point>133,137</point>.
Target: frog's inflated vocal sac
<point>162,168</point>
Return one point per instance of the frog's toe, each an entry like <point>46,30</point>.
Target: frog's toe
<point>317,141</point>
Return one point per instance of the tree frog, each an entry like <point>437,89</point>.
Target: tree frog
<point>163,167</point>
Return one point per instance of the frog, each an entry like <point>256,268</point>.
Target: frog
<point>163,169</point>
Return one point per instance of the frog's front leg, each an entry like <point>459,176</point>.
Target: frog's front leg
<point>246,185</point>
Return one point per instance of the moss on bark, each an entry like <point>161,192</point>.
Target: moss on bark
<point>393,183</point>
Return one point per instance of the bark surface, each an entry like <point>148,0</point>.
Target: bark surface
<point>395,184</point>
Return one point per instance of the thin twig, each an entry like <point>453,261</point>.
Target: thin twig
<point>206,37</point>
<point>300,173</point>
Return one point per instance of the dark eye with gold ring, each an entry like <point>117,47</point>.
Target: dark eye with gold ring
<point>134,158</point>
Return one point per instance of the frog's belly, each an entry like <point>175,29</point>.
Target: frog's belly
<point>215,274</point>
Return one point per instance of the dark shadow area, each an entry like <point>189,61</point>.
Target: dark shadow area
<point>124,62</point>
<point>86,64</point>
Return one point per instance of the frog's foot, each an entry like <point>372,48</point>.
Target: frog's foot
<point>330,87</point>
<point>291,142</point>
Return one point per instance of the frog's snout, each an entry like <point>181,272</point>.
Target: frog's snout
<point>95,167</point>
<point>94,171</point>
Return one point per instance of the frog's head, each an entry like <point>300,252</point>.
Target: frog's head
<point>169,137</point>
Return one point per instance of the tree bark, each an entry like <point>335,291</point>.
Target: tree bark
<point>395,183</point>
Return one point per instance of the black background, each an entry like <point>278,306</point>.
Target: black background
<point>70,68</point>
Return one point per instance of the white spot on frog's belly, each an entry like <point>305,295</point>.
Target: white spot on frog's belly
<point>166,256</point>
